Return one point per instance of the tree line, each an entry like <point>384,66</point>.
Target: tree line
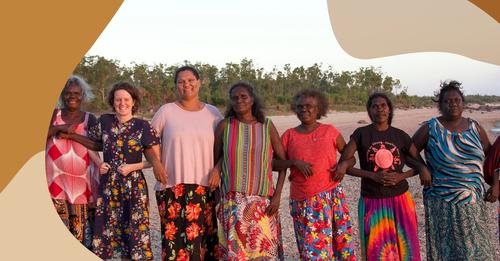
<point>346,90</point>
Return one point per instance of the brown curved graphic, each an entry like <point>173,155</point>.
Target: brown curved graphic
<point>42,42</point>
<point>490,7</point>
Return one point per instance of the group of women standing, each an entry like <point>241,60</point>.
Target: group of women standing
<point>215,191</point>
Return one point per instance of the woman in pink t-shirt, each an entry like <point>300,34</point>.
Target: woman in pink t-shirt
<point>185,204</point>
<point>318,207</point>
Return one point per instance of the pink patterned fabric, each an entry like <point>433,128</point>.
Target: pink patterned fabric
<point>71,175</point>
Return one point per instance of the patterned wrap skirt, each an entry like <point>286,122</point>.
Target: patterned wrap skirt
<point>122,217</point>
<point>457,231</point>
<point>322,225</point>
<point>78,218</point>
<point>388,228</point>
<point>246,231</point>
<point>188,223</point>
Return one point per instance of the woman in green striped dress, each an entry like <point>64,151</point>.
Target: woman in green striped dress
<point>245,142</point>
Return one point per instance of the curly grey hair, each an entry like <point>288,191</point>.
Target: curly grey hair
<point>87,94</point>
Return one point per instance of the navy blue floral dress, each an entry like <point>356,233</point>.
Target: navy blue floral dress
<point>122,216</point>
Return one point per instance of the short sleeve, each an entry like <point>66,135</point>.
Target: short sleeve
<point>95,131</point>
<point>407,141</point>
<point>92,121</point>
<point>334,133</point>
<point>159,120</point>
<point>284,140</point>
<point>356,137</point>
<point>149,136</point>
<point>216,114</point>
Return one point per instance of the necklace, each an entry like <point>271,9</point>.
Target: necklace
<point>303,129</point>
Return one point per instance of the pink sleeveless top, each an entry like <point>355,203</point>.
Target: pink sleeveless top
<point>71,175</point>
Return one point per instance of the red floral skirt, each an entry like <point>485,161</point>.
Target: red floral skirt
<point>188,223</point>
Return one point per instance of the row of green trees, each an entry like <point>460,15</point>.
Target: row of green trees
<point>346,90</point>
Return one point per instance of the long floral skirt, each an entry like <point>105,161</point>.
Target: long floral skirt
<point>122,218</point>
<point>188,223</point>
<point>388,228</point>
<point>78,218</point>
<point>246,231</point>
<point>457,231</point>
<point>322,225</point>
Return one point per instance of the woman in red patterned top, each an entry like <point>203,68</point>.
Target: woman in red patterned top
<point>322,223</point>
<point>71,175</point>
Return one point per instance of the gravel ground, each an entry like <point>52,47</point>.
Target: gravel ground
<point>351,188</point>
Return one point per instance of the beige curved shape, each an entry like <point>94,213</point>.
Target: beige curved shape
<point>373,29</point>
<point>31,228</point>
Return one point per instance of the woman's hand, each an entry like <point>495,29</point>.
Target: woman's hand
<point>304,167</point>
<point>104,168</point>
<point>492,193</point>
<point>214,178</point>
<point>91,205</point>
<point>425,177</point>
<point>125,169</point>
<point>274,205</point>
<point>66,128</point>
<point>378,177</point>
<point>58,130</point>
<point>160,173</point>
<point>338,173</point>
<point>392,178</point>
<point>152,155</point>
<point>66,131</point>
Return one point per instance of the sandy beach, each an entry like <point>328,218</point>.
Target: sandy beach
<point>347,122</point>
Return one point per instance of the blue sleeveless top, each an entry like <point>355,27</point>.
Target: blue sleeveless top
<point>455,160</point>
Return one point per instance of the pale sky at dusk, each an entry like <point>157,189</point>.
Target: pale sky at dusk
<point>271,33</point>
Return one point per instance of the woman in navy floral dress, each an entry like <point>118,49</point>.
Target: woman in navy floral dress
<point>122,216</point>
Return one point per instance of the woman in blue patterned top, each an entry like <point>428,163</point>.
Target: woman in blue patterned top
<point>455,211</point>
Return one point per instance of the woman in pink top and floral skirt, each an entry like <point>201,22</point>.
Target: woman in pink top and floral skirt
<point>185,204</point>
<point>318,206</point>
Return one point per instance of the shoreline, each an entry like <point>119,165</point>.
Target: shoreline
<point>407,120</point>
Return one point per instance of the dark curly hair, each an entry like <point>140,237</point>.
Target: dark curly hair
<point>313,93</point>
<point>128,88</point>
<point>257,107</point>
<point>387,100</point>
<point>195,72</point>
<point>445,87</point>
